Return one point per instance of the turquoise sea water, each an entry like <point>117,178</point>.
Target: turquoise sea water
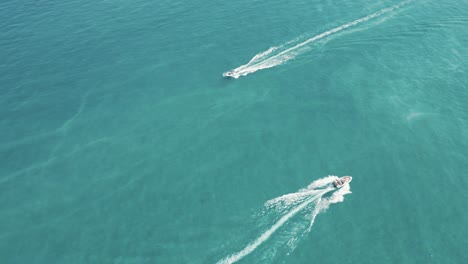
<point>120,142</point>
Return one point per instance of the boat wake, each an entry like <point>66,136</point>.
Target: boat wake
<point>312,200</point>
<point>275,56</point>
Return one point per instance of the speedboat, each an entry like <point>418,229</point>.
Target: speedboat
<point>338,183</point>
<point>229,74</point>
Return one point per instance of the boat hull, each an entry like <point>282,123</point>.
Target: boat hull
<point>338,183</point>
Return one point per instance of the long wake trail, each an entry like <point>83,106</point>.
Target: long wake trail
<point>294,202</point>
<point>268,59</point>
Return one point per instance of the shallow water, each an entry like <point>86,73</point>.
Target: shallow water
<point>120,142</point>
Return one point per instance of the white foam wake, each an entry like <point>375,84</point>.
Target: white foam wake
<point>295,202</point>
<point>323,204</point>
<point>269,58</point>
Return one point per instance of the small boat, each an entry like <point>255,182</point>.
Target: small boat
<point>338,183</point>
<point>228,74</point>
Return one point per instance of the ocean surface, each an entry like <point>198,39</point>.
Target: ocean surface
<point>121,142</point>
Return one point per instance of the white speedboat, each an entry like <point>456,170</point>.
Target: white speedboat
<point>338,183</point>
<point>228,74</point>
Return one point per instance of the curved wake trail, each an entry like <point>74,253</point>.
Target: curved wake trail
<point>298,201</point>
<point>263,60</point>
